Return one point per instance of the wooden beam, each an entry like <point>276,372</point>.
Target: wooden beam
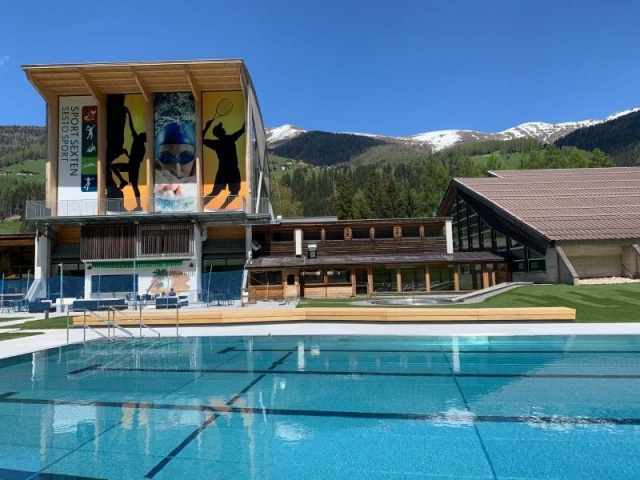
<point>192,83</point>
<point>46,95</point>
<point>97,94</point>
<point>141,85</point>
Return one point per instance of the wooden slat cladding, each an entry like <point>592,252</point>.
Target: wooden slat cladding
<point>117,242</point>
<point>166,240</point>
<point>360,247</point>
<point>68,234</point>
<point>223,233</point>
<point>108,242</point>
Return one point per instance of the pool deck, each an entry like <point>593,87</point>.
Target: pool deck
<point>263,321</point>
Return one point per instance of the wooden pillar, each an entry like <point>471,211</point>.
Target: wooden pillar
<point>398,280</point>
<point>456,278</point>
<point>427,279</point>
<point>370,280</point>
<point>353,282</point>
<point>485,276</point>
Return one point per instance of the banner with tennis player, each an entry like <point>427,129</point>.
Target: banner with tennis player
<point>223,150</point>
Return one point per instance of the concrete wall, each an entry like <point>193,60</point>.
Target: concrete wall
<point>535,277</point>
<point>631,261</point>
<point>595,261</point>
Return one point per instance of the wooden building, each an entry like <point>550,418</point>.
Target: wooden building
<point>327,258</point>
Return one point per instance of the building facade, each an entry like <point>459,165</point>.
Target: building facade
<point>155,174</point>
<point>327,258</point>
<point>551,226</point>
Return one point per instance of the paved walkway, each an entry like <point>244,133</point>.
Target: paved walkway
<point>57,338</point>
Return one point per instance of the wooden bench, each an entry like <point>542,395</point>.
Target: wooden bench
<point>347,315</point>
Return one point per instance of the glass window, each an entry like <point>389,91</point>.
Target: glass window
<point>114,283</point>
<point>339,276</point>
<point>333,234</point>
<point>470,276</point>
<point>360,233</point>
<point>282,236</point>
<point>412,279</point>
<point>315,234</point>
<point>441,278</point>
<point>384,279</point>
<point>313,276</point>
<point>383,232</point>
<point>411,231</point>
<point>266,278</point>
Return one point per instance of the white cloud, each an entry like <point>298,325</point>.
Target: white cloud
<point>4,59</point>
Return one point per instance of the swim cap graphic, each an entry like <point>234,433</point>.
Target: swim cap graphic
<point>176,133</point>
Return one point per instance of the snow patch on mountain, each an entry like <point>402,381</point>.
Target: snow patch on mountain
<point>443,139</point>
<point>285,132</point>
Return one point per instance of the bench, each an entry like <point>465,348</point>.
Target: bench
<point>95,305</point>
<point>167,302</point>
<point>40,306</point>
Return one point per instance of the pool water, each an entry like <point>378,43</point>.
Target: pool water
<point>324,408</point>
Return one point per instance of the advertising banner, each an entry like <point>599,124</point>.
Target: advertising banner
<point>223,150</point>
<point>175,183</point>
<point>77,156</point>
<point>125,169</point>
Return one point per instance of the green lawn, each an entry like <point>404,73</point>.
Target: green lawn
<point>10,226</point>
<point>35,166</point>
<point>511,161</point>
<point>593,303</point>
<point>45,324</point>
<point>12,335</point>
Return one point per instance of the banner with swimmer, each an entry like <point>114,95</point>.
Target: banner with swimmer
<point>175,182</point>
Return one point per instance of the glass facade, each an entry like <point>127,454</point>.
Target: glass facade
<point>471,234</point>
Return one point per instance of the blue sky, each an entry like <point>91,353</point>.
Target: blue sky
<point>392,68</point>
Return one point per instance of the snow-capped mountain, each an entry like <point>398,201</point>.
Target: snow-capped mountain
<point>442,139</point>
<point>285,132</point>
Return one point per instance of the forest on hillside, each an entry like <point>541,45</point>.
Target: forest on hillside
<point>358,177</point>
<point>403,190</point>
<point>619,138</point>
<point>18,143</point>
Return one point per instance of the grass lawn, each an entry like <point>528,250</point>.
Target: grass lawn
<point>8,319</point>
<point>44,324</point>
<point>593,303</point>
<point>12,335</point>
<point>10,226</point>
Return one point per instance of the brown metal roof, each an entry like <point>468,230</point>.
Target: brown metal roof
<point>570,204</point>
<point>100,79</point>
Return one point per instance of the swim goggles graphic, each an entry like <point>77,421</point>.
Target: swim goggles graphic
<point>182,158</point>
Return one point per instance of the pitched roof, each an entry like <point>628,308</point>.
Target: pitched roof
<point>569,204</point>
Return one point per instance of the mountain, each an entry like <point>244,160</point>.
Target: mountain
<point>443,139</point>
<point>618,137</point>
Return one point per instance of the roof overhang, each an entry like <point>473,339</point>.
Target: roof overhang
<point>101,79</point>
<point>261,263</point>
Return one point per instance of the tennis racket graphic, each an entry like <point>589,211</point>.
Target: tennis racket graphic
<point>223,108</point>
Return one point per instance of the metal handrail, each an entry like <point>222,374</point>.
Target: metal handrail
<point>127,317</point>
<point>42,209</point>
<point>110,324</point>
<point>85,326</point>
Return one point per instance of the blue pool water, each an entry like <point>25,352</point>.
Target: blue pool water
<point>324,408</point>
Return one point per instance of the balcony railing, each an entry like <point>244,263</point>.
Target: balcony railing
<point>47,209</point>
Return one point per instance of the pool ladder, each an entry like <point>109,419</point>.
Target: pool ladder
<point>112,325</point>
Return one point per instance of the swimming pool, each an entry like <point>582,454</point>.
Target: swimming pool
<point>324,407</point>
